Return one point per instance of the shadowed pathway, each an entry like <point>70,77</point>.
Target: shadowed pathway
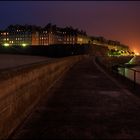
<point>84,104</point>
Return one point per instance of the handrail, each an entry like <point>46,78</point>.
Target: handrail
<point>123,66</point>
<point>135,73</point>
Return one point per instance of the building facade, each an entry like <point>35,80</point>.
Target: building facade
<point>19,35</point>
<point>33,35</point>
<point>110,44</point>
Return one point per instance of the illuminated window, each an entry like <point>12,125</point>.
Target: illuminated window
<point>80,39</point>
<point>44,31</point>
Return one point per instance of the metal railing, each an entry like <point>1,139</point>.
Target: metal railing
<point>135,72</point>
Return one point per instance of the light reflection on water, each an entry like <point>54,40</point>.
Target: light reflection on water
<point>130,73</point>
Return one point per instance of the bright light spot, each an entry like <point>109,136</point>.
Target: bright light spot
<point>80,39</point>
<point>24,45</point>
<point>6,44</point>
<point>137,53</point>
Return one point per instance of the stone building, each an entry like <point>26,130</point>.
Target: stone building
<point>34,35</point>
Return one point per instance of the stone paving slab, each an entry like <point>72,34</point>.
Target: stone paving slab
<point>84,104</point>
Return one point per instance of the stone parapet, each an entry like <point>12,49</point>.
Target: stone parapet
<point>22,88</point>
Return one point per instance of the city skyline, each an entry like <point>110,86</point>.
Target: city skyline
<point>112,20</point>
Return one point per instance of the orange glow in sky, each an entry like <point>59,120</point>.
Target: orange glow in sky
<point>114,20</point>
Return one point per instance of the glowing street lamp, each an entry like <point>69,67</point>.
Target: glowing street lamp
<point>24,45</point>
<point>137,53</point>
<point>6,44</point>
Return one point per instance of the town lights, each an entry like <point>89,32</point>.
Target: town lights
<point>6,44</point>
<point>137,53</point>
<point>24,45</point>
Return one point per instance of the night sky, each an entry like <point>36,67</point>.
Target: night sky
<point>118,20</point>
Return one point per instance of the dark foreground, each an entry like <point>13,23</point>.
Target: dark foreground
<point>84,104</point>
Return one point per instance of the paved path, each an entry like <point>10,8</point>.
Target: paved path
<point>84,104</point>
